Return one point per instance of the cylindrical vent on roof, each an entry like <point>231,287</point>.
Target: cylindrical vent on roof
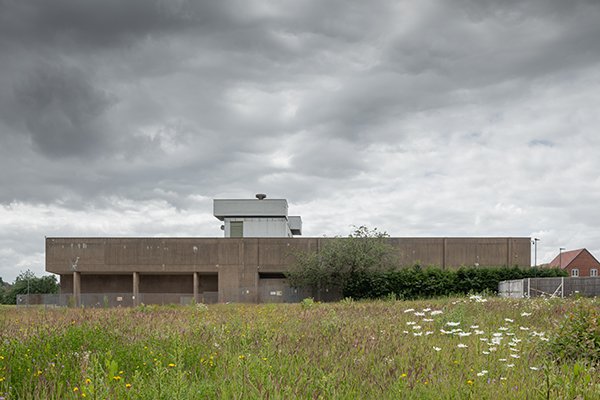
<point>261,196</point>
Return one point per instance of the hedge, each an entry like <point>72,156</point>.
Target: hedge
<point>416,282</point>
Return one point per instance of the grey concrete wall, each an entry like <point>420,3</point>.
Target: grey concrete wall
<point>168,264</point>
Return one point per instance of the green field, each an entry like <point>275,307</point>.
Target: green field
<point>460,348</point>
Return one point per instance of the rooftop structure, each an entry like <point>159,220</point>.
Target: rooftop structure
<point>256,218</point>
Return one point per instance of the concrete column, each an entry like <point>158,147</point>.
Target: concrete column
<point>196,288</point>
<point>444,253</point>
<point>76,289</point>
<point>136,288</point>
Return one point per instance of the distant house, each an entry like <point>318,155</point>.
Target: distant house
<point>577,263</point>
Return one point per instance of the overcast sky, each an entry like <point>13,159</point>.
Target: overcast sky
<point>443,118</point>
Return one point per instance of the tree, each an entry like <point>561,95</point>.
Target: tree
<point>28,283</point>
<point>342,260</point>
<point>3,289</point>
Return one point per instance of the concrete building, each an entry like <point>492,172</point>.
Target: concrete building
<point>256,218</point>
<point>247,265</point>
<point>578,263</point>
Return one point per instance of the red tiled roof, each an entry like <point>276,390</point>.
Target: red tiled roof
<point>565,259</point>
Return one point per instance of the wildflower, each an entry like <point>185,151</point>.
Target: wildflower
<point>502,359</point>
<point>486,352</point>
<point>449,323</point>
<point>403,375</point>
<point>479,332</point>
<point>409,310</point>
<point>515,356</point>
<point>2,379</point>
<point>436,312</point>
<point>509,320</point>
<point>419,314</point>
<point>427,320</point>
<point>525,314</point>
<point>463,334</point>
<point>416,327</point>
<point>461,346</point>
<point>117,378</point>
<point>128,385</point>
<point>534,368</point>
<point>75,389</point>
<point>411,323</point>
<point>523,328</point>
<point>510,365</point>
<point>482,373</point>
<point>469,382</point>
<point>426,309</point>
<point>503,328</point>
<point>428,333</point>
<point>417,333</point>
<point>437,348</point>
<point>171,365</point>
<point>241,356</point>
<point>474,326</point>
<point>88,381</point>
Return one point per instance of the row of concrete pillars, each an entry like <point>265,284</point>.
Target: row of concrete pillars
<point>136,288</point>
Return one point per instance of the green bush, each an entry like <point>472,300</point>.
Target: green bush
<point>417,282</point>
<point>578,338</point>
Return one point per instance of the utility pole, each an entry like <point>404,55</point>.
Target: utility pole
<point>535,241</point>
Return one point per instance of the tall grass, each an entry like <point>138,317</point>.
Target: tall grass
<point>439,349</point>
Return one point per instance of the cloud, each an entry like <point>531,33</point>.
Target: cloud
<point>476,118</point>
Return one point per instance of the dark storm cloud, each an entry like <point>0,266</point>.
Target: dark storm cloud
<point>62,111</point>
<point>420,117</point>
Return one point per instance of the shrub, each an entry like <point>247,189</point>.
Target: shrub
<point>578,338</point>
<point>417,282</point>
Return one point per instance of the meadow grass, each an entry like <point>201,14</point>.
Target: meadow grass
<point>459,348</point>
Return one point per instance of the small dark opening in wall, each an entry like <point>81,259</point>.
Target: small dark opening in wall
<point>271,275</point>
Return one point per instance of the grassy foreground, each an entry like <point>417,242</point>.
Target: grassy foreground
<point>466,348</point>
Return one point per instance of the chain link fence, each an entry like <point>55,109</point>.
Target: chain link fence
<point>113,299</point>
<point>550,287</point>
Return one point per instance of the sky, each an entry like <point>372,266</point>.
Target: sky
<point>420,118</point>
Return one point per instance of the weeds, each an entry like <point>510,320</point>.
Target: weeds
<point>436,349</point>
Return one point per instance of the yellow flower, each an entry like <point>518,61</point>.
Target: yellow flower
<point>171,365</point>
<point>403,375</point>
<point>88,381</point>
<point>2,379</point>
<point>469,382</point>
<point>39,372</point>
<point>76,389</point>
<point>117,378</point>
<point>128,385</point>
<point>1,358</point>
<point>241,357</point>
